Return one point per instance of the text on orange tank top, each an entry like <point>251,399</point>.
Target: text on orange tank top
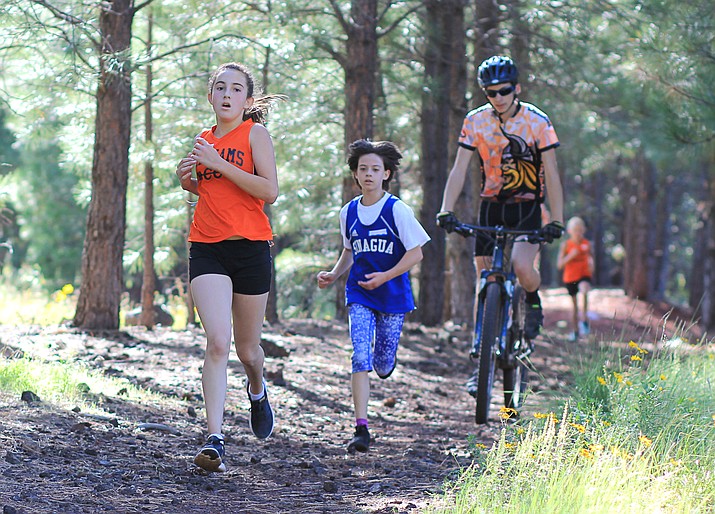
<point>224,210</point>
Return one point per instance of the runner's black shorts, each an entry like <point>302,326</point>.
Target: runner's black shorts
<point>516,216</point>
<point>247,263</point>
<point>572,287</point>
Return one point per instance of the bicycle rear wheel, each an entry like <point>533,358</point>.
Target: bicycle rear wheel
<point>491,330</point>
<point>516,377</point>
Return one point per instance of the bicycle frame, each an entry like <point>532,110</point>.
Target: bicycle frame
<point>501,273</point>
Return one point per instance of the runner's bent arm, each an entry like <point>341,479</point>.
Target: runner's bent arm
<point>325,278</point>
<point>554,191</point>
<point>264,183</point>
<point>377,278</point>
<point>455,181</point>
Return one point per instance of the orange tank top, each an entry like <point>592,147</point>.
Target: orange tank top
<point>225,210</point>
<point>577,268</point>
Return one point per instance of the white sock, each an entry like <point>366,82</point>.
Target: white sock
<point>258,396</point>
<point>220,436</point>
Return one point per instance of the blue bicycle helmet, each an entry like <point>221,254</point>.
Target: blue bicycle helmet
<point>498,69</point>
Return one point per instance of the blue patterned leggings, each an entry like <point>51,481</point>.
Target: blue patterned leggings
<point>375,336</point>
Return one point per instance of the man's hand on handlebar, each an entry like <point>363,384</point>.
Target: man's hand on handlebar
<point>447,220</point>
<point>553,230</point>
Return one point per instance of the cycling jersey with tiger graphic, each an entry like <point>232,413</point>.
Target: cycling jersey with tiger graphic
<point>510,152</point>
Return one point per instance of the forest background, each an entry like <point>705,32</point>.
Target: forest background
<point>99,101</point>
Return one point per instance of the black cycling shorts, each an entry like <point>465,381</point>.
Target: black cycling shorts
<point>516,216</point>
<point>247,263</point>
<point>572,287</point>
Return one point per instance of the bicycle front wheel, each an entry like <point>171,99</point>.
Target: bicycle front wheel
<point>491,331</point>
<point>516,376</point>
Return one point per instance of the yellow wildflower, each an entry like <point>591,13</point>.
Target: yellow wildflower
<point>606,423</point>
<point>68,289</point>
<point>619,377</point>
<point>540,415</point>
<point>520,431</point>
<point>645,441</point>
<point>480,446</point>
<point>595,448</point>
<point>601,380</point>
<point>632,344</point>
<point>60,297</point>
<point>636,358</point>
<point>585,453</point>
<point>578,427</point>
<point>629,383</point>
<point>507,413</point>
<point>713,419</point>
<point>663,377</point>
<point>510,446</point>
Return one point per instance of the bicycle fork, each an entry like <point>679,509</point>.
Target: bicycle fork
<point>507,289</point>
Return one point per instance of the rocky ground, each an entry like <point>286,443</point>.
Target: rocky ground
<point>132,454</point>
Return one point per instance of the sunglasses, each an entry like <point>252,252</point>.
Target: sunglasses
<point>506,90</point>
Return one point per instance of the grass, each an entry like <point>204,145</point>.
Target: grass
<point>65,384</point>
<point>637,435</point>
<point>33,305</point>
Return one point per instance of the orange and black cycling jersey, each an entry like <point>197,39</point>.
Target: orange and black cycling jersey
<point>224,210</point>
<point>510,152</point>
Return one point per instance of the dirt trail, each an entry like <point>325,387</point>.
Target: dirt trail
<point>55,459</point>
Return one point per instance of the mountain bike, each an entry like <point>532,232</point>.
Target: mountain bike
<point>499,340</point>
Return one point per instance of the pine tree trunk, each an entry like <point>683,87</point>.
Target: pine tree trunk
<point>444,21</point>
<point>360,67</point>
<point>460,252</point>
<point>101,286</point>
<point>148,281</point>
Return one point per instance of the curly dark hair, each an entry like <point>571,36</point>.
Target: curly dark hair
<point>387,150</point>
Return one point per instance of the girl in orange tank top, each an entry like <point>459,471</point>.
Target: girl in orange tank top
<point>229,258</point>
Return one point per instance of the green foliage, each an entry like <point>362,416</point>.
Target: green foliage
<point>612,81</point>
<point>651,450</point>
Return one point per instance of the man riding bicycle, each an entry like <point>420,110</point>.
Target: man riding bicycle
<point>515,142</point>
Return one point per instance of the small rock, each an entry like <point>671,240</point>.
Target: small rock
<point>123,392</point>
<point>80,427</point>
<point>83,388</point>
<point>91,451</point>
<point>375,488</point>
<point>12,458</point>
<point>9,509</point>
<point>330,487</point>
<point>191,412</point>
<point>276,377</point>
<point>29,397</point>
<point>255,460</point>
<point>390,402</point>
<point>273,347</point>
<point>76,409</point>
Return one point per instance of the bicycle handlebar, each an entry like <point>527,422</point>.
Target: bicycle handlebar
<point>532,236</point>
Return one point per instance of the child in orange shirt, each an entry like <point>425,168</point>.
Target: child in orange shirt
<point>576,261</point>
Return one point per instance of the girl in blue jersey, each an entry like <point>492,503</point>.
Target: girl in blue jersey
<point>382,240</point>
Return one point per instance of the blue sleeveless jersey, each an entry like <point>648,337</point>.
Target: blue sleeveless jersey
<point>377,247</point>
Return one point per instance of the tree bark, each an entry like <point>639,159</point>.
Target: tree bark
<point>639,235</point>
<point>460,252</point>
<point>148,280</point>
<point>444,22</point>
<point>360,67</point>
<point>101,286</point>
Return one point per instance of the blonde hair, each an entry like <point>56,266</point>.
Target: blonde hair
<point>575,222</point>
<point>258,112</point>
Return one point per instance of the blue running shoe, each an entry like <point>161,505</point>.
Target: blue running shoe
<point>210,457</point>
<point>261,418</point>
